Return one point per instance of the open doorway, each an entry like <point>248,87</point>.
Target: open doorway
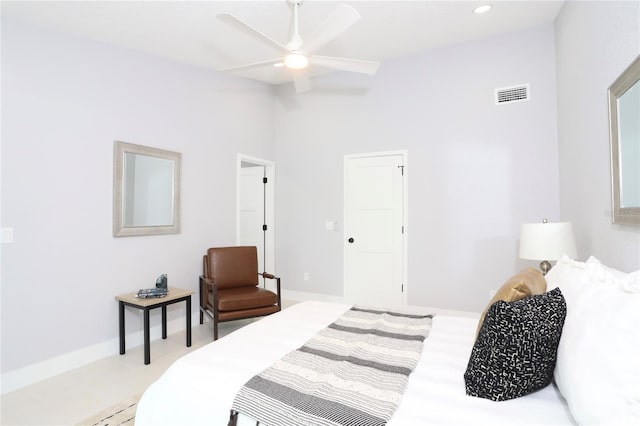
<point>255,224</point>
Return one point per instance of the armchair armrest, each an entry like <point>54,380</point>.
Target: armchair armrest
<point>268,275</point>
<point>211,286</point>
<point>273,277</point>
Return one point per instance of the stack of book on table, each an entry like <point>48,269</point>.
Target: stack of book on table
<point>147,293</point>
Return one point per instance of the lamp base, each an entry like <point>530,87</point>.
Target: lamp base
<point>545,266</point>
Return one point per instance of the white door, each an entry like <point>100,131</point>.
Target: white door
<point>374,230</point>
<point>252,210</point>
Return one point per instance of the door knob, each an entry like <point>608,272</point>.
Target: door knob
<point>350,240</point>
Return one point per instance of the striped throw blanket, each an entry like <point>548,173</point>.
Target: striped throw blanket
<point>354,372</point>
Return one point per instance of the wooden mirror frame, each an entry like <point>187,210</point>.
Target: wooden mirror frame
<point>630,77</point>
<point>119,227</point>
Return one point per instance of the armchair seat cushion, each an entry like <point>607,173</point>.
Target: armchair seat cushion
<point>242,298</point>
<point>248,313</point>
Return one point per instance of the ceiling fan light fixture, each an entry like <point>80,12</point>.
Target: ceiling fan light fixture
<point>296,61</point>
<point>298,55</point>
<point>482,9</point>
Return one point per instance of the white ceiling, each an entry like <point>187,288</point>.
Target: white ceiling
<point>188,31</point>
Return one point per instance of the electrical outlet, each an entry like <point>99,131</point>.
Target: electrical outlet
<point>331,225</point>
<point>306,276</point>
<point>492,293</point>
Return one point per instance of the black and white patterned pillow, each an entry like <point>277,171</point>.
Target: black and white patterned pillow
<point>515,353</point>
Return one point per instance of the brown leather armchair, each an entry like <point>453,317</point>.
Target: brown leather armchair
<point>229,286</point>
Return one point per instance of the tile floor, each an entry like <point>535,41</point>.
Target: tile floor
<point>69,398</point>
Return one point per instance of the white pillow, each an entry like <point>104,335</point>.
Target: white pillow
<point>598,362</point>
<point>570,276</point>
<point>627,282</point>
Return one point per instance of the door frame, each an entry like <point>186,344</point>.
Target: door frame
<point>269,201</point>
<point>405,217</point>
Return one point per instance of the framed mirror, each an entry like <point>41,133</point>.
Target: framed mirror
<point>624,130</point>
<point>146,190</point>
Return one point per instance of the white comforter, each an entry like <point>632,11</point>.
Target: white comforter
<point>198,389</point>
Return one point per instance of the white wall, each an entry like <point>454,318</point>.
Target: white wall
<point>476,170</point>
<point>595,42</point>
<point>64,102</point>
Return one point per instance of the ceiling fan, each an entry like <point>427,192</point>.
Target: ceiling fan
<point>298,54</point>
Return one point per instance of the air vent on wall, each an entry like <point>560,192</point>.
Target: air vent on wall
<point>509,95</point>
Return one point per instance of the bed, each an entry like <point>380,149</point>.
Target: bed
<point>200,387</point>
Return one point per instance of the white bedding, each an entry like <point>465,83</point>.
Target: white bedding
<point>199,388</point>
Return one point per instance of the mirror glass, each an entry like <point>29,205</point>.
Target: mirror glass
<point>146,190</point>
<point>624,120</point>
<point>629,118</point>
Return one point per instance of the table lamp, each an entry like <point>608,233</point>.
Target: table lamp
<point>546,241</point>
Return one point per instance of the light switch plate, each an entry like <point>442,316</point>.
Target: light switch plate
<point>6,235</point>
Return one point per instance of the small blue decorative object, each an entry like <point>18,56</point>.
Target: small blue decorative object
<point>161,282</point>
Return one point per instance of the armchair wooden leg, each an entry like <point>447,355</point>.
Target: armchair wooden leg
<point>233,418</point>
<point>215,313</point>
<point>201,285</point>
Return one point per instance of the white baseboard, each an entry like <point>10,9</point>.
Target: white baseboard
<point>16,379</point>
<point>301,296</point>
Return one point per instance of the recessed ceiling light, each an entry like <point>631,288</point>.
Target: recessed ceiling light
<point>482,9</point>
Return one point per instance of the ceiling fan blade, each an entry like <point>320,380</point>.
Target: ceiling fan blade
<point>345,64</point>
<point>248,29</point>
<point>301,80</point>
<point>333,25</point>
<point>253,65</point>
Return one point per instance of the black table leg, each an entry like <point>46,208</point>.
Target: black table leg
<point>164,321</point>
<point>121,323</point>
<point>146,326</point>
<point>188,321</point>
<point>147,349</point>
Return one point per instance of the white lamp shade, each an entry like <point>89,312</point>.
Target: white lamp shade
<point>547,241</point>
